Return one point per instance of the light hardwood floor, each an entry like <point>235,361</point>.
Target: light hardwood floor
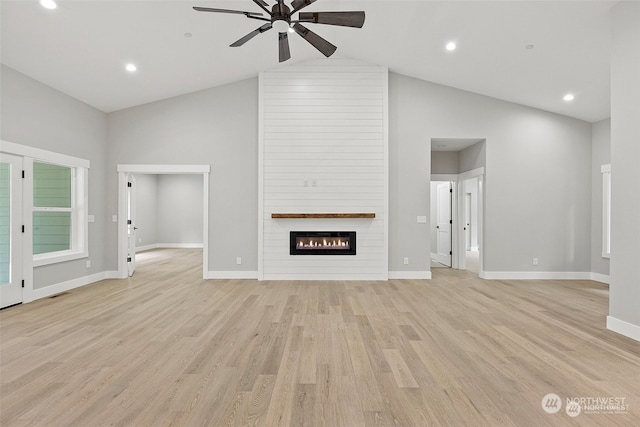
<point>167,348</point>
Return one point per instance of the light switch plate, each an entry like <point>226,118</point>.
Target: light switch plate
<point>422,219</point>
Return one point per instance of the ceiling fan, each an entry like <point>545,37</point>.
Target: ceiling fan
<point>280,18</point>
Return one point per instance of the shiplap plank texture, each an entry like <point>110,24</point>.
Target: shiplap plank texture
<point>324,149</point>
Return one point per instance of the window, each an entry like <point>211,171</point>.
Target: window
<point>59,213</point>
<point>606,210</point>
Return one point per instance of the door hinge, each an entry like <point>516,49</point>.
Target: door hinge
<point>128,259</point>
<point>129,184</point>
<point>450,253</point>
<point>23,174</point>
<point>451,190</point>
<point>128,222</point>
<point>23,283</point>
<point>23,228</point>
<point>450,221</point>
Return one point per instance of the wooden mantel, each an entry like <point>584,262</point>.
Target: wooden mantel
<point>323,215</point>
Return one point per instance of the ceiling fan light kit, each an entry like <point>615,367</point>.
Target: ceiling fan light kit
<point>280,18</point>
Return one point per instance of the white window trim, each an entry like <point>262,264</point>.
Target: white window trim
<point>79,230</point>
<point>605,170</point>
<point>81,185</point>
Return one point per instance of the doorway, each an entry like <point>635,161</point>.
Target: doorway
<point>127,230</point>
<point>441,223</point>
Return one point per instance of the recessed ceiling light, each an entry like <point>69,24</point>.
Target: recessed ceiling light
<point>450,46</point>
<point>187,35</point>
<point>48,4</point>
<point>530,46</point>
<point>130,68</point>
<point>568,97</point>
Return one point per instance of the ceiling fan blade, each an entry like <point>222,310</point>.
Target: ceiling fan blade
<point>251,35</point>
<point>315,40</point>
<point>344,19</point>
<point>283,47</point>
<point>238,12</point>
<point>263,5</point>
<point>300,4</point>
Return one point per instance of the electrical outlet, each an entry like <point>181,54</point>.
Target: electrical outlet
<point>140,240</point>
<point>238,260</point>
<point>406,261</point>
<point>535,261</point>
<point>88,263</point>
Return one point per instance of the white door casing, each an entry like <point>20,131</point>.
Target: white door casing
<point>124,171</point>
<point>11,291</point>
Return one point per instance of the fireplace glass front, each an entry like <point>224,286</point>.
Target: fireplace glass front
<point>322,243</point>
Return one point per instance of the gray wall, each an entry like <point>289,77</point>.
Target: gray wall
<point>536,165</point>
<point>472,157</point>
<point>179,209</point>
<point>217,126</point>
<point>536,203</point>
<point>37,115</point>
<point>146,210</point>
<point>600,155</point>
<point>624,297</point>
<point>444,162</point>
<point>169,209</point>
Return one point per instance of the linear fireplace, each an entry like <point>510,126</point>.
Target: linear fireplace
<point>322,243</point>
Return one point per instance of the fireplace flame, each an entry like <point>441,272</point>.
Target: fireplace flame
<point>310,243</point>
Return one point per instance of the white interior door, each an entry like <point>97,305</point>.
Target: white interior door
<point>443,223</point>
<point>467,221</point>
<point>131,224</point>
<point>11,230</point>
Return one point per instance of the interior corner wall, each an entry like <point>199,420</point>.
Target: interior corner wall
<point>472,157</point>
<point>600,155</point>
<point>536,203</point>
<point>624,289</point>
<point>217,126</point>
<point>36,115</point>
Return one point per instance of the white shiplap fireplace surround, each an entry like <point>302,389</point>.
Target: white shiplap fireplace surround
<point>323,148</point>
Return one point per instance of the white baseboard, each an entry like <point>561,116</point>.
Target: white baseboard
<point>232,275</point>
<point>58,288</point>
<point>536,275</point>
<point>178,246</point>
<point>410,275</point>
<point>325,277</point>
<point>169,246</point>
<point>623,328</point>
<point>604,278</point>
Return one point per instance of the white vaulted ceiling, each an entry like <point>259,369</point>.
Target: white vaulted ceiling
<point>81,47</point>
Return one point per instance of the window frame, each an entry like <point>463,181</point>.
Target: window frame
<point>79,241</point>
<point>605,171</point>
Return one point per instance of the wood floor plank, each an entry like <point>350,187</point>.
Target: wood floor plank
<point>166,348</point>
